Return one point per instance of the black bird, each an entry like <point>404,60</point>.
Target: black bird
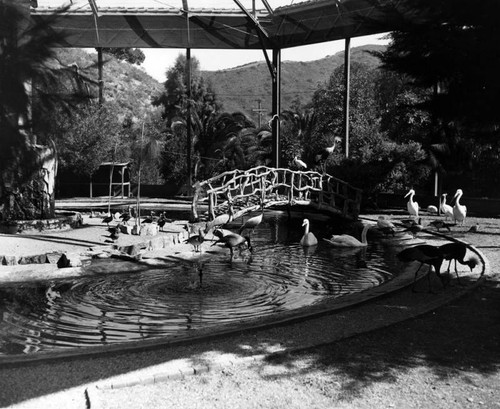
<point>126,216</point>
<point>162,220</point>
<point>108,219</point>
<point>151,218</point>
<point>114,232</point>
<point>456,251</point>
<point>425,254</point>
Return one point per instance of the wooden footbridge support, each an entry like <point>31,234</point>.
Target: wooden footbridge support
<point>276,187</point>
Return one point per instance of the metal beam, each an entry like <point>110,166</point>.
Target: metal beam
<point>253,19</point>
<point>347,92</point>
<point>276,107</point>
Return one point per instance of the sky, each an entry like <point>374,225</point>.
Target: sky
<point>158,61</point>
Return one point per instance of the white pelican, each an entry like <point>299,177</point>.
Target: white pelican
<point>299,163</point>
<point>446,209</point>
<point>411,205</point>
<point>345,240</point>
<point>308,239</point>
<point>459,210</point>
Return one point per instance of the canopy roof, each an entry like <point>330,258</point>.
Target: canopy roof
<point>211,24</point>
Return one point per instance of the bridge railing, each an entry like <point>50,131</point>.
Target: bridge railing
<point>279,186</point>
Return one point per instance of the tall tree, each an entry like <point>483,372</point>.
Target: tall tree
<point>27,67</point>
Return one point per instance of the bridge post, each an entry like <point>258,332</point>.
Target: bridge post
<point>276,106</point>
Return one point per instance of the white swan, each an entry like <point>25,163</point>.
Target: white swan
<point>308,239</point>
<point>446,209</point>
<point>411,205</point>
<point>459,210</point>
<point>345,240</point>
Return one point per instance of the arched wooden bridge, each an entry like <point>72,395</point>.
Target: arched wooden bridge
<point>277,187</point>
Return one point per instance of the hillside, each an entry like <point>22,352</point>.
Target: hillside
<point>239,88</point>
<point>126,84</point>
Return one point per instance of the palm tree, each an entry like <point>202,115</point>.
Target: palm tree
<point>27,67</point>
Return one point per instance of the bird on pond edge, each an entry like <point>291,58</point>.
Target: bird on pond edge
<point>234,240</point>
<point>425,254</point>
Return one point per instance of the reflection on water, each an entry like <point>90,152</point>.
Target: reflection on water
<point>279,276</point>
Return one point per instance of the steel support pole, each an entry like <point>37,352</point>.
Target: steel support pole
<point>276,106</point>
<point>100,80</point>
<point>347,90</point>
<point>188,118</point>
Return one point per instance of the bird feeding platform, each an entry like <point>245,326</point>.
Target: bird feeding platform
<point>277,187</point>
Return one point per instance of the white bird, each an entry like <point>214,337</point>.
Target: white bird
<point>308,239</point>
<point>299,163</point>
<point>411,205</point>
<point>459,210</point>
<point>385,225</point>
<point>323,155</point>
<point>254,221</point>
<point>432,209</point>
<point>346,240</point>
<point>221,220</point>
<point>446,209</point>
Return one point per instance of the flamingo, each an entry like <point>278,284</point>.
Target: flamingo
<point>446,209</point>
<point>254,221</point>
<point>459,210</point>
<point>411,205</point>
<point>299,163</point>
<point>345,240</point>
<point>308,239</point>
<point>424,254</point>
<point>221,220</point>
<point>456,251</point>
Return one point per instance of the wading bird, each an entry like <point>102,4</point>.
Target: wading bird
<point>232,241</point>
<point>456,251</point>
<point>459,210</point>
<point>411,205</point>
<point>254,221</point>
<point>345,240</point>
<point>440,224</point>
<point>424,254</point>
<point>221,220</point>
<point>446,209</point>
<point>196,241</point>
<point>308,239</point>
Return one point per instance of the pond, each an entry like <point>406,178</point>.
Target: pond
<point>184,297</point>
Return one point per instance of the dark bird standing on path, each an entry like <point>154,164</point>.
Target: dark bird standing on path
<point>425,254</point>
<point>440,224</point>
<point>108,219</point>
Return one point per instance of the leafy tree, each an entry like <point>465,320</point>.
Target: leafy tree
<point>27,66</point>
<point>130,55</point>
<point>202,108</point>
<point>448,43</point>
